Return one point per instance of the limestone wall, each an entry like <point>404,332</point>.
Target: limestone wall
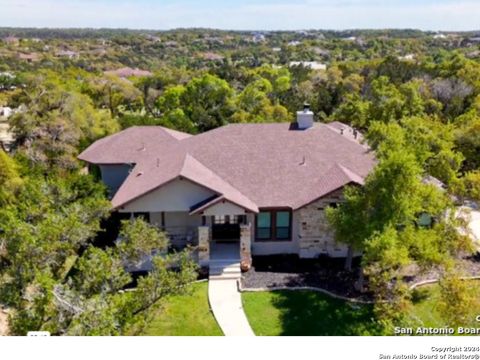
<point>204,238</point>
<point>315,236</point>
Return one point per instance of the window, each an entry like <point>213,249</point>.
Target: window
<point>273,225</point>
<point>282,229</point>
<point>219,219</point>
<point>227,219</point>
<point>240,219</point>
<point>264,226</point>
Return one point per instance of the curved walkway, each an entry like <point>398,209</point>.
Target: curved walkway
<point>226,303</point>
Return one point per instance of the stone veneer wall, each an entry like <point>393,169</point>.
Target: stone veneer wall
<point>315,236</point>
<point>204,234</point>
<point>246,246</point>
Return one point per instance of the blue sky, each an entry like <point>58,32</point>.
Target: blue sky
<point>248,14</point>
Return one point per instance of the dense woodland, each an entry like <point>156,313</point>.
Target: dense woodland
<point>415,96</point>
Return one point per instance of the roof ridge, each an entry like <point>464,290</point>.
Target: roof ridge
<point>352,175</point>
<point>187,154</point>
<point>190,156</point>
<point>354,141</point>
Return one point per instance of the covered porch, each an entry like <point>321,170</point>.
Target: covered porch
<point>215,235</point>
<point>195,215</point>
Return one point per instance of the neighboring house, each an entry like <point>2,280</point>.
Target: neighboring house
<point>11,40</point>
<point>313,65</point>
<point>210,56</point>
<point>67,54</point>
<point>258,38</point>
<point>294,43</point>
<point>30,58</point>
<point>5,112</point>
<point>263,186</point>
<point>408,57</point>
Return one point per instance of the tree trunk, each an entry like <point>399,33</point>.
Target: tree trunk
<point>361,280</point>
<point>349,259</point>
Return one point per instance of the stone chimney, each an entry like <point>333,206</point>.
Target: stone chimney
<point>305,118</point>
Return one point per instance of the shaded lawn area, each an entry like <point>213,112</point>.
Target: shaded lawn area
<point>184,315</point>
<point>306,313</point>
<point>426,309</point>
<point>311,313</point>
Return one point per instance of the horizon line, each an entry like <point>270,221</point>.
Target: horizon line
<point>233,30</point>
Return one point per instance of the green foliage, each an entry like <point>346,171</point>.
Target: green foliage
<point>10,180</point>
<point>381,218</point>
<point>458,303</point>
<point>56,120</point>
<point>139,239</point>
<point>99,271</point>
<point>115,93</point>
<point>208,102</point>
<point>254,105</point>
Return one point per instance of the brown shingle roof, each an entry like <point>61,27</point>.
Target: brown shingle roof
<point>252,165</point>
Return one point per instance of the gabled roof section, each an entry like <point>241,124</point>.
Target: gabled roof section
<point>197,172</point>
<point>147,177</point>
<point>335,178</point>
<point>132,144</point>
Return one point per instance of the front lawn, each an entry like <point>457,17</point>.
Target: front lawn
<point>185,315</point>
<point>312,313</point>
<point>306,313</point>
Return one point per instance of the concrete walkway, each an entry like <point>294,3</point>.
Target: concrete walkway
<point>226,304</point>
<point>223,295</point>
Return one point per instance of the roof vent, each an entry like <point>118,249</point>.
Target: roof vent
<point>304,161</point>
<point>305,118</point>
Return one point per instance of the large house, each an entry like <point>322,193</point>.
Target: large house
<point>262,186</point>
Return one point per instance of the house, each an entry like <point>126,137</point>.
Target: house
<point>258,38</point>
<point>211,56</point>
<point>313,65</point>
<point>407,57</point>
<point>264,187</point>
<point>294,43</point>
<point>11,40</point>
<point>5,112</point>
<point>30,58</point>
<point>69,54</point>
<point>439,36</point>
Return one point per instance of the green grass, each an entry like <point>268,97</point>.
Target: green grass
<point>306,313</point>
<point>425,300</point>
<point>184,315</point>
<point>312,313</point>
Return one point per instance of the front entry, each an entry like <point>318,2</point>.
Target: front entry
<point>226,228</point>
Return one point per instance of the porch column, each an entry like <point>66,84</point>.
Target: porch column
<point>245,247</point>
<point>204,245</point>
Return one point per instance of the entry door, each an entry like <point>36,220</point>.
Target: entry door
<point>226,228</point>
